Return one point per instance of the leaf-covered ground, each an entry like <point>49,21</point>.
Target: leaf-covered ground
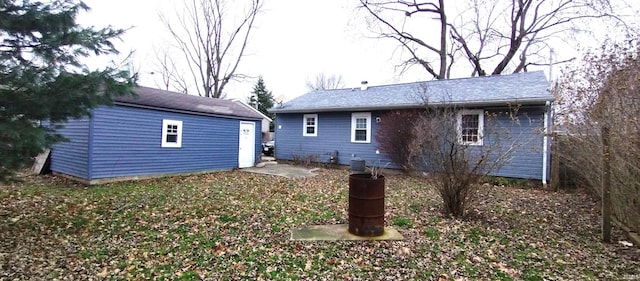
<point>236,225</point>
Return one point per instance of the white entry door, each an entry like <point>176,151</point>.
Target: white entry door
<point>247,145</point>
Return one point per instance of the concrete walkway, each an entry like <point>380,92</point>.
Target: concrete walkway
<point>283,170</point>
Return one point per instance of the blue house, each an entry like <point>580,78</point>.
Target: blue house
<point>343,122</point>
<point>158,133</point>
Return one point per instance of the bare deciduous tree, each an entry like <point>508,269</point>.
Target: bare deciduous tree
<point>381,10</point>
<point>168,71</point>
<point>492,37</point>
<point>324,81</point>
<point>212,38</point>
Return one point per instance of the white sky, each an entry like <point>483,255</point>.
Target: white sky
<point>293,40</point>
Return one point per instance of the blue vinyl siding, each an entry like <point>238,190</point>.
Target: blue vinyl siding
<point>525,135</point>
<point>127,142</point>
<point>72,157</point>
<point>334,134</point>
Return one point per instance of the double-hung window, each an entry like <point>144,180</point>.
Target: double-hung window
<point>310,125</point>
<point>171,133</point>
<point>361,127</point>
<point>470,127</point>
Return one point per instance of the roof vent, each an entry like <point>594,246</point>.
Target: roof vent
<point>363,85</point>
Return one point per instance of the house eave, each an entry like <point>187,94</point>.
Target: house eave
<point>253,109</point>
<point>484,103</point>
<point>120,103</point>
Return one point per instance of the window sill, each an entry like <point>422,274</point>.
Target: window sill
<point>171,146</point>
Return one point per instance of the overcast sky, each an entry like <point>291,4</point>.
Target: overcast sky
<point>293,40</point>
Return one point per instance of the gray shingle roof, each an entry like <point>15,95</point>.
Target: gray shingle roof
<point>172,101</point>
<point>521,88</point>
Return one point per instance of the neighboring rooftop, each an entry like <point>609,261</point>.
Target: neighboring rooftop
<point>520,88</point>
<point>172,101</point>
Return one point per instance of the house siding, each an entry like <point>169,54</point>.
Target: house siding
<point>524,134</point>
<point>126,141</point>
<point>334,134</point>
<point>71,157</point>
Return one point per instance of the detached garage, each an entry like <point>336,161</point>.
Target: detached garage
<point>158,133</point>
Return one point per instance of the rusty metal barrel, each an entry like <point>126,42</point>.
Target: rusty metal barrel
<point>366,205</point>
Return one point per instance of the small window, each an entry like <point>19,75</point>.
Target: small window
<point>310,125</point>
<point>470,127</point>
<point>361,127</point>
<point>171,133</point>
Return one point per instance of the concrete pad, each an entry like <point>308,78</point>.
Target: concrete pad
<point>282,170</point>
<point>268,158</point>
<point>334,232</point>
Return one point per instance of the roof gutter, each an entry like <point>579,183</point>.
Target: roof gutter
<point>539,101</point>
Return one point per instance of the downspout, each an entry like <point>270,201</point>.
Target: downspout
<point>545,143</point>
<point>547,110</point>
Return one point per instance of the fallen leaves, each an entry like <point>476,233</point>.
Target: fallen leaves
<point>235,225</point>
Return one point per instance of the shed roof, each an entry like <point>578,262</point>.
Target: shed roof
<point>253,109</point>
<point>171,101</point>
<point>495,90</point>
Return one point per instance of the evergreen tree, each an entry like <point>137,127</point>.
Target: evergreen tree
<point>262,99</point>
<point>42,77</point>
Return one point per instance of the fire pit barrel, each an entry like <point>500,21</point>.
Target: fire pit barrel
<point>366,205</point>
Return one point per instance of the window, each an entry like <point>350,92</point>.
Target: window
<point>310,125</point>
<point>171,133</point>
<point>361,127</point>
<point>470,127</point>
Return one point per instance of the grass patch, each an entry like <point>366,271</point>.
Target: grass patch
<point>228,218</point>
<point>189,276</point>
<point>235,225</point>
<point>532,275</point>
<point>402,222</point>
<point>474,235</point>
<point>416,207</point>
<point>502,181</point>
<point>432,233</point>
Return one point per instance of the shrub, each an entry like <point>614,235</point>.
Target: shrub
<point>428,139</point>
<point>458,168</point>
<point>397,138</point>
<point>305,159</point>
<point>604,92</point>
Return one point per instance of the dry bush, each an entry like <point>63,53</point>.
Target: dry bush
<point>458,169</point>
<point>306,160</point>
<point>605,91</point>
<point>397,138</point>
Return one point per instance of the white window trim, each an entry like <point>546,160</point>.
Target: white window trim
<point>304,125</point>
<point>480,114</point>
<point>165,123</point>
<point>355,116</point>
